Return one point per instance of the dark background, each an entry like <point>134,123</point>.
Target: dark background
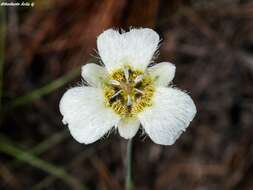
<point>42,49</point>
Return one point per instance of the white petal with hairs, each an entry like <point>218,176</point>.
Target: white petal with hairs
<point>135,47</point>
<point>87,117</point>
<point>170,115</point>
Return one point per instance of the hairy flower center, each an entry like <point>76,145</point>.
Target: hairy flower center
<point>128,91</point>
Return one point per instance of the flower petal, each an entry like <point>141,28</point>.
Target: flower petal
<point>163,73</point>
<point>94,74</point>
<point>170,115</point>
<point>128,127</point>
<point>84,110</point>
<point>135,48</point>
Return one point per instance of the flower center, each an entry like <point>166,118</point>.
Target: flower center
<point>128,91</point>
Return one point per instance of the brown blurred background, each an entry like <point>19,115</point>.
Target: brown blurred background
<point>42,49</point>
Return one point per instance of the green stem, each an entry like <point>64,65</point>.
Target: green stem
<point>129,181</point>
<point>8,148</point>
<point>38,93</point>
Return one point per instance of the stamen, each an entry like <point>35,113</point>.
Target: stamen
<point>129,100</point>
<point>128,91</point>
<point>116,94</point>
<point>126,73</point>
<point>115,82</point>
<point>138,79</point>
<point>139,91</point>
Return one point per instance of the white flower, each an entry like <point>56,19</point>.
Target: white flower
<point>126,93</point>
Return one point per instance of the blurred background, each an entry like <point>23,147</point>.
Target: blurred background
<point>41,50</point>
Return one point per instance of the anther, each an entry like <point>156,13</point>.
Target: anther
<point>138,79</point>
<point>115,82</point>
<point>139,91</point>
<point>126,73</point>
<point>129,100</point>
<point>116,94</point>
